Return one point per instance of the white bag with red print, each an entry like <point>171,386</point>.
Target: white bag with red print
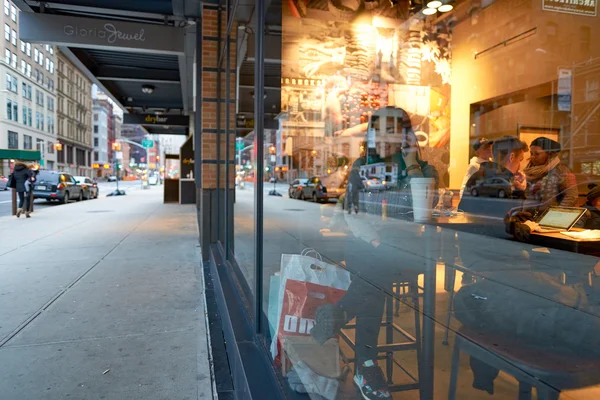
<point>306,284</point>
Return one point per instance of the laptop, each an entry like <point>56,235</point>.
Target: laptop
<point>560,219</point>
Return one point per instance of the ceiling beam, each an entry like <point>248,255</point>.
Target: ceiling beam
<point>115,72</point>
<point>107,12</point>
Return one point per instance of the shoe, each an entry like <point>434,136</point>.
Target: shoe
<point>27,214</point>
<point>19,212</point>
<point>370,381</point>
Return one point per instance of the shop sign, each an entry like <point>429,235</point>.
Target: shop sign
<point>564,89</point>
<point>96,33</point>
<point>153,119</point>
<point>579,7</point>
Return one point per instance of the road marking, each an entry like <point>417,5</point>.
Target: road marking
<point>3,202</point>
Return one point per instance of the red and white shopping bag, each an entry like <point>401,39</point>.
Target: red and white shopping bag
<point>306,284</point>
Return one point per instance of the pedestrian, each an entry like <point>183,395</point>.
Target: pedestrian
<point>22,176</point>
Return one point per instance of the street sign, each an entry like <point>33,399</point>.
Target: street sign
<point>564,89</point>
<point>119,155</point>
<point>239,146</point>
<point>147,143</point>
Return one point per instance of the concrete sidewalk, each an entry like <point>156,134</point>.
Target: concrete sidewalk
<point>103,299</point>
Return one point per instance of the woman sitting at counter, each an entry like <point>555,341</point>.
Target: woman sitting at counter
<point>549,182</point>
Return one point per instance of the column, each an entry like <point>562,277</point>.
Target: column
<point>210,144</point>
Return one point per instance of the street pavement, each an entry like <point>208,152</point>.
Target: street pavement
<point>105,188</point>
<point>103,299</point>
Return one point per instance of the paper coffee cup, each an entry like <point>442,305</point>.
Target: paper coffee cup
<point>423,192</point>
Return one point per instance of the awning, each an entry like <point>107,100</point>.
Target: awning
<point>23,155</point>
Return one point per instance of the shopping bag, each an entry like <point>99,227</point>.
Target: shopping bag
<point>306,284</point>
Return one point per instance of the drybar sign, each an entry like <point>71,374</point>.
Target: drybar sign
<point>578,7</point>
<point>100,33</point>
<point>152,119</point>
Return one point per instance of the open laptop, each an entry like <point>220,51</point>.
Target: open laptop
<point>560,219</point>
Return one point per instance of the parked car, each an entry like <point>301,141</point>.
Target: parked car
<point>3,182</point>
<point>52,185</point>
<point>494,187</point>
<point>89,187</point>
<point>373,184</point>
<point>316,191</point>
<point>112,178</point>
<point>296,187</point>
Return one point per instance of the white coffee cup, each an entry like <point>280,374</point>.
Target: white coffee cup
<point>423,192</point>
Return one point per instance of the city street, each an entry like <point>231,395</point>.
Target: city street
<point>104,187</point>
<point>103,299</point>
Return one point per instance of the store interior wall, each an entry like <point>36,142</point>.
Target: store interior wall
<point>542,42</point>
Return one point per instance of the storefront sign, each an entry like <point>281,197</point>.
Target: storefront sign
<point>95,33</point>
<point>578,7</point>
<point>153,119</point>
<point>564,89</point>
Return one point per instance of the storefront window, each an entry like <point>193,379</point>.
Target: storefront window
<point>431,220</point>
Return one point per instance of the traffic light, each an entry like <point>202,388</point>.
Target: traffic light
<point>272,150</point>
<point>119,166</point>
<point>58,146</point>
<point>116,146</point>
<point>157,158</point>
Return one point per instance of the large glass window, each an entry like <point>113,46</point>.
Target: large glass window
<point>13,140</point>
<point>431,188</point>
<point>27,142</point>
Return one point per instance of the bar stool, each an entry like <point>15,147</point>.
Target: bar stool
<point>386,351</point>
<point>531,367</point>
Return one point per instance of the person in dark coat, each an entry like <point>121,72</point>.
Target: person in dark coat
<point>591,220</point>
<point>21,175</point>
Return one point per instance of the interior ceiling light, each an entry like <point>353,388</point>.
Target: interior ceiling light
<point>434,4</point>
<point>445,8</point>
<point>429,11</point>
<point>147,89</point>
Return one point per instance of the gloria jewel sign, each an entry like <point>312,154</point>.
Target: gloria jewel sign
<point>100,33</point>
<point>578,7</point>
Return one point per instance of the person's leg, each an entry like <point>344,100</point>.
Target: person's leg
<point>27,203</point>
<point>21,199</point>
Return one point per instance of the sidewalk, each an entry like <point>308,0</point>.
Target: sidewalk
<point>103,299</point>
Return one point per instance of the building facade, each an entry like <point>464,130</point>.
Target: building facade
<point>28,119</point>
<point>74,118</point>
<point>102,112</point>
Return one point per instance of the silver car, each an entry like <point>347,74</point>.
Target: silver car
<point>3,182</point>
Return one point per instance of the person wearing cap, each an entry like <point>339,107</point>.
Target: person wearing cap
<point>483,153</point>
<point>550,183</point>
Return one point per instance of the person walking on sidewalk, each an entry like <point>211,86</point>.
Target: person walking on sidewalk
<point>22,176</point>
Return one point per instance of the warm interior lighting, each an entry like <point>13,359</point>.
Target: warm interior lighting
<point>429,11</point>
<point>434,4</point>
<point>446,8</point>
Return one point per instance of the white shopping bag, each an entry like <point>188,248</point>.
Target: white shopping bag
<point>306,284</point>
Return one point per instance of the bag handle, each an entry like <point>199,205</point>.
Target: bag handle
<point>306,252</point>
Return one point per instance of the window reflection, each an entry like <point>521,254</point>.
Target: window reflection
<point>410,257</point>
